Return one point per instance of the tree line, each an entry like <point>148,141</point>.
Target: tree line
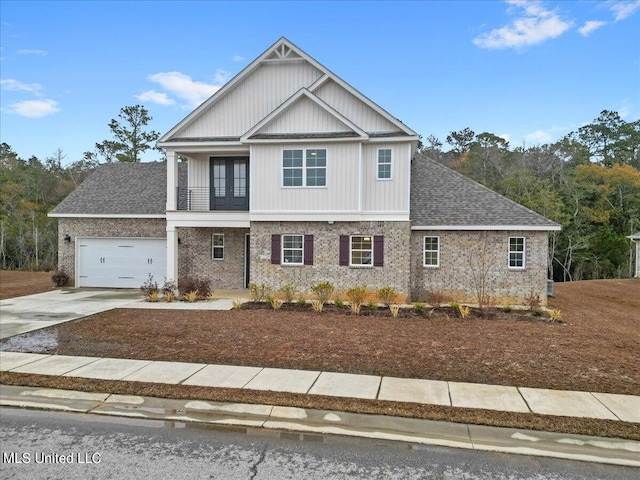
<point>588,181</point>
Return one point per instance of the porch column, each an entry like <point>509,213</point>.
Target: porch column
<point>172,254</point>
<point>172,181</point>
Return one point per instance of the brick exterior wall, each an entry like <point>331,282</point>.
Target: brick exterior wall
<point>102,227</point>
<point>326,267</point>
<point>454,276</point>
<point>195,256</point>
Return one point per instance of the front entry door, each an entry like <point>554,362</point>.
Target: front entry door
<point>229,180</point>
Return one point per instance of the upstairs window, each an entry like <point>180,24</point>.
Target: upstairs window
<point>304,168</point>
<point>384,164</point>
<point>516,252</point>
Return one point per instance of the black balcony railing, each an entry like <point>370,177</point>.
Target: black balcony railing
<point>194,198</point>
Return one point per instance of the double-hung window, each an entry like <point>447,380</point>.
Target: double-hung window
<point>304,167</point>
<point>361,251</point>
<point>217,252</point>
<point>431,251</point>
<point>516,252</point>
<point>384,164</point>
<point>292,249</point>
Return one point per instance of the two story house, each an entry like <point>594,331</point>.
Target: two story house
<point>289,175</point>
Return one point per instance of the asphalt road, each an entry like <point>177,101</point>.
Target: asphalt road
<point>51,445</point>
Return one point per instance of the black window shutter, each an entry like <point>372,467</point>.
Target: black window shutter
<point>308,249</point>
<point>344,250</point>
<point>275,249</point>
<point>378,251</point>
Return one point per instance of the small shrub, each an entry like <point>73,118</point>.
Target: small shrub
<point>387,295</point>
<point>149,286</point>
<point>371,305</point>
<point>555,316</point>
<point>190,297</point>
<point>464,311</point>
<point>355,308</point>
<point>339,303</point>
<point>153,297</point>
<point>357,294</point>
<point>60,278</point>
<point>436,298</point>
<point>323,291</point>
<point>287,292</point>
<point>276,303</point>
<point>259,293</point>
<point>317,306</point>
<point>169,290</point>
<point>395,309</point>
<point>169,297</point>
<point>236,304</point>
<point>301,302</point>
<point>537,312</point>
<point>455,307</point>
<point>507,308</point>
<point>419,308</point>
<point>201,287</point>
<point>532,300</point>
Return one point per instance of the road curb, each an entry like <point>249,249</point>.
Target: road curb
<point>290,421</point>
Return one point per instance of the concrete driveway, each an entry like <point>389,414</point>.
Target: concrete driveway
<point>31,312</point>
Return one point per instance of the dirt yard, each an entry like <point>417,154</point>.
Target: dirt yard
<point>15,283</point>
<point>597,349</point>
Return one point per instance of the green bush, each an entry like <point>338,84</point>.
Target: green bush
<point>259,293</point>
<point>323,291</point>
<point>387,295</point>
<point>357,294</point>
<point>419,308</point>
<point>339,303</point>
<point>287,292</point>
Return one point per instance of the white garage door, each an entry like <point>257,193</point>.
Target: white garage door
<point>120,262</point>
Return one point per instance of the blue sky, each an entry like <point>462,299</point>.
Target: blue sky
<point>530,71</point>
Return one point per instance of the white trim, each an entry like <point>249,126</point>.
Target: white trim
<point>527,228</point>
<point>378,150</point>
<point>424,252</point>
<point>327,216</point>
<point>214,246</point>
<point>208,219</point>
<point>282,262</point>
<point>326,139</point>
<point>524,253</point>
<point>106,215</point>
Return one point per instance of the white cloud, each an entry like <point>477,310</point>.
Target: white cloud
<point>35,108</point>
<point>535,26</point>
<point>505,136</point>
<point>623,9</point>
<point>155,97</point>
<point>539,136</point>
<point>237,58</point>
<point>16,86</point>
<point>26,51</point>
<point>591,26</point>
<point>185,88</point>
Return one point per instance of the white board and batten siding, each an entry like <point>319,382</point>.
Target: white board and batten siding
<point>252,99</point>
<point>119,262</point>
<point>386,195</point>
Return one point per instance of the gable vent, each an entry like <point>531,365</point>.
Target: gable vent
<point>283,52</point>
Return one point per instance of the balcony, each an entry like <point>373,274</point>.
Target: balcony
<point>205,199</point>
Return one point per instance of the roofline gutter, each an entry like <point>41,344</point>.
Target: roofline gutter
<point>533,228</point>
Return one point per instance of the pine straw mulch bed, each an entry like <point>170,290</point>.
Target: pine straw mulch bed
<point>510,349</point>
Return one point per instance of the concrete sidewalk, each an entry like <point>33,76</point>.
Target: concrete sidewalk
<point>606,406</point>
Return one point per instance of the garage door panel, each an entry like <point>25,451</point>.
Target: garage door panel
<point>120,263</point>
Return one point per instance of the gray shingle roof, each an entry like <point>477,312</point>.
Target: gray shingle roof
<point>441,196</point>
<point>121,188</point>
